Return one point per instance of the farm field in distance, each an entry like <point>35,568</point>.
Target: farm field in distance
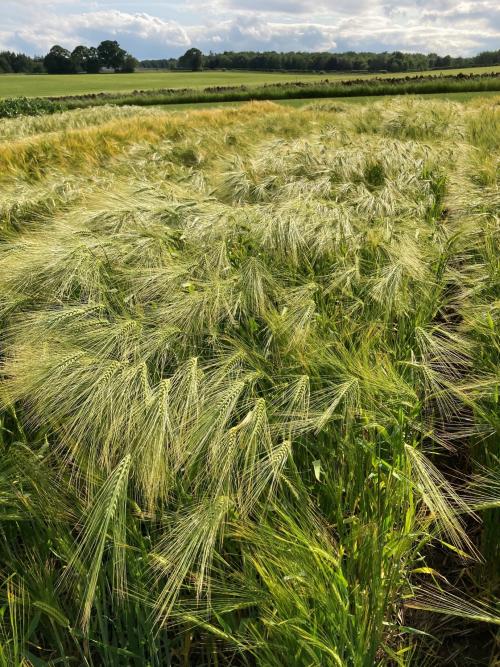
<point>249,388</point>
<point>45,85</point>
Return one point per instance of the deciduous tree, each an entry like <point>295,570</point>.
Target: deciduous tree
<point>58,61</point>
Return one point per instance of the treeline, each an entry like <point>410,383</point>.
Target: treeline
<point>161,63</point>
<point>396,61</point>
<point>14,63</point>
<point>59,60</point>
<point>110,55</point>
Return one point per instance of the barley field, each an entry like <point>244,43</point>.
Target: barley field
<point>250,386</point>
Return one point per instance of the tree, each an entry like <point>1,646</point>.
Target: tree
<point>92,64</point>
<point>21,63</point>
<point>192,59</point>
<point>129,63</point>
<point>79,57</point>
<point>58,61</point>
<point>444,61</point>
<point>85,59</point>
<point>5,66</point>
<point>38,67</point>
<point>111,54</point>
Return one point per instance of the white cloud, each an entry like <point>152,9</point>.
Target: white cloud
<point>271,6</point>
<point>91,27</point>
<point>311,8</point>
<point>258,34</point>
<point>155,28</point>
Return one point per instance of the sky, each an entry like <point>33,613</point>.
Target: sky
<point>165,28</point>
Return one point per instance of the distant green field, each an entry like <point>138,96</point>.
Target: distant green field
<point>14,85</point>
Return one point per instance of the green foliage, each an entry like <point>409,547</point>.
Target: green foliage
<point>85,59</point>
<point>285,61</point>
<point>27,106</point>
<point>192,60</point>
<point>58,61</point>
<point>327,61</point>
<point>19,62</point>
<point>111,54</point>
<point>250,386</point>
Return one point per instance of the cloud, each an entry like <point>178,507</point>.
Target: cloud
<point>297,7</point>
<point>257,34</point>
<point>273,6</point>
<point>138,31</point>
<point>167,27</point>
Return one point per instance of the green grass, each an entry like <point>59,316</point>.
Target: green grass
<point>249,385</point>
<point>13,85</point>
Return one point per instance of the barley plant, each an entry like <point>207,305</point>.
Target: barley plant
<point>250,386</point>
